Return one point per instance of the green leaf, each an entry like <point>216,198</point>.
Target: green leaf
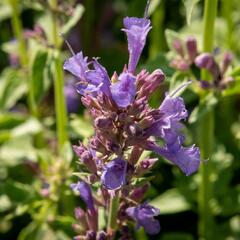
<point>31,126</point>
<point>5,203</point>
<point>177,236</point>
<point>170,202</point>
<point>160,61</point>
<point>12,87</point>
<point>16,191</point>
<point>172,36</point>
<point>152,6</point>
<point>81,127</point>
<point>5,10</point>
<point>16,150</point>
<point>77,14</point>
<point>37,232</point>
<point>67,152</point>
<point>37,75</point>
<point>189,6</point>
<point>204,107</point>
<point>233,88</point>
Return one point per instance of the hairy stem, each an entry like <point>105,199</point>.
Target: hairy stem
<point>113,211</point>
<point>60,104</point>
<point>22,51</point>
<point>206,131</point>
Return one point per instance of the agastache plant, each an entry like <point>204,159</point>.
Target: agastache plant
<point>125,125</point>
<point>187,56</point>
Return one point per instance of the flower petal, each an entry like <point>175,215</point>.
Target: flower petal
<point>113,177</point>
<point>85,193</point>
<point>124,91</point>
<point>136,30</point>
<point>77,65</point>
<point>144,215</point>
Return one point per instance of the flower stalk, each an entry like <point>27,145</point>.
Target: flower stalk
<point>206,130</point>
<point>22,51</point>
<point>60,105</point>
<point>113,211</point>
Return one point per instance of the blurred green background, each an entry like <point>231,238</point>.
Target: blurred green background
<point>36,159</point>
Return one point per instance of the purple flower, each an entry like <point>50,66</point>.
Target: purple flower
<point>77,65</point>
<point>136,30</point>
<point>124,91</point>
<point>72,98</point>
<point>144,216</point>
<point>91,81</point>
<point>207,61</point>
<point>85,193</point>
<point>114,174</point>
<point>186,158</point>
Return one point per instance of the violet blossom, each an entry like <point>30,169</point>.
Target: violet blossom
<point>125,125</point>
<point>144,216</point>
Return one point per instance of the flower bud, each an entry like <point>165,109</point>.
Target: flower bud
<point>191,45</point>
<point>138,193</point>
<point>145,165</point>
<point>79,149</point>
<point>104,123</point>
<point>177,46</point>
<point>227,59</point>
<point>153,81</point>
<point>91,235</point>
<point>102,236</point>
<point>88,160</point>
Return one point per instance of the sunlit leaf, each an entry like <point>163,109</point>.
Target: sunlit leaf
<point>177,236</point>
<point>77,14</point>
<point>189,5</point>
<point>37,76</point>
<point>204,107</point>
<point>171,36</point>
<point>170,202</point>
<point>152,6</point>
<point>12,87</point>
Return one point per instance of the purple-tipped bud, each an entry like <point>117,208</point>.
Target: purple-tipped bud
<point>177,46</point>
<point>85,193</point>
<point>144,215</point>
<point>145,165</point>
<point>114,175</point>
<point>79,149</point>
<point>102,236</point>
<point>79,238</point>
<point>227,59</point>
<point>80,215</point>
<point>153,81</point>
<point>135,155</point>
<point>102,122</point>
<point>206,61</point>
<point>97,145</point>
<point>88,160</point>
<point>91,235</point>
<point>137,194</point>
<point>191,45</point>
<point>179,64</point>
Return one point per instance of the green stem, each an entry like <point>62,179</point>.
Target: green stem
<point>22,51</point>
<point>157,40</point>
<point>60,104</point>
<point>206,131</point>
<point>227,6</point>
<point>113,211</point>
<point>18,32</point>
<point>210,13</point>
